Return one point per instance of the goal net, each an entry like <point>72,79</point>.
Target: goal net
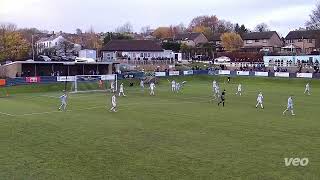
<point>93,83</point>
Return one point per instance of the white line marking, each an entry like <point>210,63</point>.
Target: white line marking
<point>7,114</point>
<point>102,106</point>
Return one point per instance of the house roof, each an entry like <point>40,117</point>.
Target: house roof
<point>216,37</point>
<point>259,35</point>
<point>187,36</point>
<point>132,45</point>
<point>307,34</point>
<point>50,38</point>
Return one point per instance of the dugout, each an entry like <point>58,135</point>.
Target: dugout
<point>40,68</point>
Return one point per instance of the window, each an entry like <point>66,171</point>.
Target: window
<point>310,40</point>
<point>265,41</point>
<point>141,54</point>
<point>249,41</point>
<point>149,54</point>
<point>300,40</point>
<point>257,40</point>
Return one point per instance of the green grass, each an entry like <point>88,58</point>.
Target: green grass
<point>169,136</point>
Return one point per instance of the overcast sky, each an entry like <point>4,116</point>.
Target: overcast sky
<point>106,15</point>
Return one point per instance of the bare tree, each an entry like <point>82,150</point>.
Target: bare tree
<point>65,48</point>
<point>145,30</point>
<point>314,22</point>
<point>90,30</point>
<point>78,31</point>
<point>126,28</point>
<point>262,27</point>
<point>224,26</point>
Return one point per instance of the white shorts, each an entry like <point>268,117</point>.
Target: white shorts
<point>114,104</point>
<point>290,106</point>
<point>260,101</point>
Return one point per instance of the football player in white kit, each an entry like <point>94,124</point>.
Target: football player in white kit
<point>121,92</point>
<point>217,91</point>
<point>112,86</point>
<point>152,87</point>
<point>178,86</point>
<point>289,106</point>
<point>173,86</point>
<point>113,103</point>
<point>63,99</point>
<point>214,85</point>
<point>142,85</point>
<point>239,92</point>
<point>307,90</point>
<point>260,100</point>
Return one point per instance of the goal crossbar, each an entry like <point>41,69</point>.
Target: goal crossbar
<point>94,83</point>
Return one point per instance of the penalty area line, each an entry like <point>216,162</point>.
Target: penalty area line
<point>97,107</point>
<point>7,114</point>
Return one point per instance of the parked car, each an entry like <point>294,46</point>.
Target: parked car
<point>43,58</point>
<point>55,58</point>
<point>86,60</point>
<point>72,58</point>
<point>64,58</point>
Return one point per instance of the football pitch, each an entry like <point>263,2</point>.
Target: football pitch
<point>168,136</point>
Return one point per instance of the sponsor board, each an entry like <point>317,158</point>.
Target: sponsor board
<point>212,73</point>
<point>188,72</point>
<point>224,72</point>
<point>2,82</point>
<point>32,79</point>
<point>281,74</point>
<point>160,74</point>
<point>243,73</point>
<point>174,73</point>
<point>66,78</point>
<point>304,75</point>
<point>261,74</point>
<point>109,77</point>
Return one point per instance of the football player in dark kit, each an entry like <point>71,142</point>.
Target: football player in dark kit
<point>229,79</point>
<point>223,94</point>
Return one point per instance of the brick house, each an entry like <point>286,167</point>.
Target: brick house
<point>191,39</point>
<point>262,41</point>
<point>306,40</point>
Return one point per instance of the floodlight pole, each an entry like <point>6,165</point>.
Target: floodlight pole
<point>32,47</point>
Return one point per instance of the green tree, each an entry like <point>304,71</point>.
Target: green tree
<point>115,36</point>
<point>240,29</point>
<point>175,47</point>
<point>231,41</point>
<point>12,44</point>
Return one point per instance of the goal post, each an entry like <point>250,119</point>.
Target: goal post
<point>94,83</point>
